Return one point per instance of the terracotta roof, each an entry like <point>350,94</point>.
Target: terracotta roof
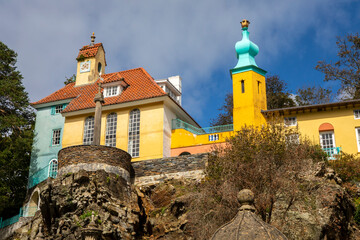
<point>137,83</point>
<point>89,51</point>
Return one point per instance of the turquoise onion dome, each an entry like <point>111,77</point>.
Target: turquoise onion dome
<point>245,49</point>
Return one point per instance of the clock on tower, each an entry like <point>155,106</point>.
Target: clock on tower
<point>85,66</point>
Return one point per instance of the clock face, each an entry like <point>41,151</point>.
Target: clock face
<point>85,66</point>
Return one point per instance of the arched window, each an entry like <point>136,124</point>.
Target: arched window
<point>99,68</point>
<point>327,140</point>
<point>53,168</point>
<point>110,134</point>
<point>184,153</point>
<point>33,205</point>
<point>134,133</point>
<point>89,131</point>
<point>242,86</point>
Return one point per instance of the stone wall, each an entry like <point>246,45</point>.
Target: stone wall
<point>157,170</point>
<point>93,158</point>
<point>9,230</point>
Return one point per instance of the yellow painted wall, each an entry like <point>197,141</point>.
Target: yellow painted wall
<point>308,124</point>
<point>184,138</point>
<point>89,77</point>
<point>151,130</point>
<point>344,126</point>
<point>248,105</point>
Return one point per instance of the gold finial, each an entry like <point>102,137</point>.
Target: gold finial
<point>92,39</point>
<point>245,23</point>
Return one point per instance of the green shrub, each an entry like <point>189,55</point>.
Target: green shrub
<point>347,167</point>
<point>87,214</point>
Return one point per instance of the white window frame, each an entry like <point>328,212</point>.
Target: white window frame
<point>327,132</point>
<point>58,109</point>
<point>56,137</point>
<point>134,133</point>
<point>88,137</point>
<point>357,114</point>
<point>53,167</point>
<point>112,91</point>
<point>213,137</point>
<point>110,132</point>
<point>357,133</point>
<point>330,152</point>
<point>290,121</point>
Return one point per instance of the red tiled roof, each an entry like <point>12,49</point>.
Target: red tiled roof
<point>137,82</point>
<point>89,51</point>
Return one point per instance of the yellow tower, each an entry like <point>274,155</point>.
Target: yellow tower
<point>249,87</point>
<point>90,63</point>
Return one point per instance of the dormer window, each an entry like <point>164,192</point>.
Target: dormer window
<point>111,91</point>
<point>174,91</point>
<point>58,108</point>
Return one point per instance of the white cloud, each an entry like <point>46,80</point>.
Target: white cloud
<point>192,38</point>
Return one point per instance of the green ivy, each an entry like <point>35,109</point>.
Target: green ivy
<point>81,58</point>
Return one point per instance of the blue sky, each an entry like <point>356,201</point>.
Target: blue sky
<point>193,39</point>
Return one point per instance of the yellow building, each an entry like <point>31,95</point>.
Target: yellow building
<point>334,126</point>
<point>137,112</point>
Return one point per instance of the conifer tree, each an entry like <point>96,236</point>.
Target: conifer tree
<point>277,95</point>
<point>16,134</point>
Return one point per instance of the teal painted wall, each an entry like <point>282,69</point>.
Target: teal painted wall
<point>43,151</point>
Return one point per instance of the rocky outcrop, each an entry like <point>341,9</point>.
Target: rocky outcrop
<point>68,202</point>
<point>321,210</point>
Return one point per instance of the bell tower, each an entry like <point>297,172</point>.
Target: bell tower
<point>90,63</point>
<point>249,89</point>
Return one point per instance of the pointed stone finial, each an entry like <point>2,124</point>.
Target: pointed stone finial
<point>92,39</point>
<point>91,232</point>
<point>92,222</point>
<point>245,23</point>
<point>246,224</point>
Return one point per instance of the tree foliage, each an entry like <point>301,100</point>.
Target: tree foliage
<point>70,79</point>
<point>347,68</point>
<point>277,95</point>
<point>226,112</point>
<point>313,95</point>
<point>16,134</point>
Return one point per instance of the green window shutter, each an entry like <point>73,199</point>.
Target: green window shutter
<point>64,106</point>
<point>53,110</point>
